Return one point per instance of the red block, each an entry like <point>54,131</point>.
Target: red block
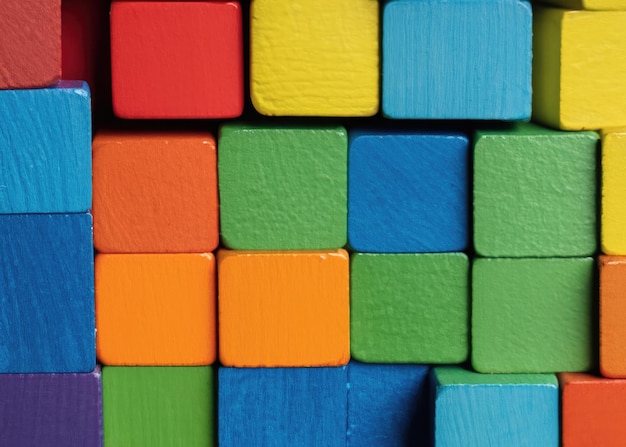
<point>177,59</point>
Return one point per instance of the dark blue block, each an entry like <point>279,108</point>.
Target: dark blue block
<point>274,407</point>
<point>388,405</point>
<point>47,321</point>
<point>408,193</point>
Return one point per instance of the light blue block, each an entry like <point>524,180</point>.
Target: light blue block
<point>457,59</point>
<point>45,149</point>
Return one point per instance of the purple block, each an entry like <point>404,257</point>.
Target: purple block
<point>51,410</point>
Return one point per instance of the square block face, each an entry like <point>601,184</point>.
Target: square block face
<point>314,58</point>
<point>495,410</point>
<point>612,314</point>
<point>535,193</point>
<point>51,409</point>
<point>533,315</point>
<point>156,309</point>
<point>45,136</point>
<point>283,188</point>
<point>46,294</point>
<point>159,406</point>
<point>282,407</point>
<point>410,308</point>
<point>292,309</point>
<point>155,192</point>
<point>613,234</point>
<point>408,193</point>
<point>177,59</point>
<point>457,59</point>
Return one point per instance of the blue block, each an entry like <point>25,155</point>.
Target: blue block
<point>477,410</point>
<point>275,407</point>
<point>457,59</point>
<point>45,149</point>
<point>387,405</point>
<point>408,193</point>
<point>47,320</point>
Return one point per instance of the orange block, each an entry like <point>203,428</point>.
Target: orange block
<point>612,316</point>
<point>593,411</point>
<point>284,308</point>
<point>155,193</point>
<point>155,309</point>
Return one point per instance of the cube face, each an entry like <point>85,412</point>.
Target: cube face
<point>159,406</point>
<point>156,309</point>
<point>177,59</point>
<point>292,309</point>
<point>532,315</point>
<point>408,193</point>
<point>155,193</point>
<point>535,193</point>
<point>612,313</point>
<point>433,70</point>
<point>613,235</point>
<point>283,188</point>
<point>409,308</point>
<point>314,58</point>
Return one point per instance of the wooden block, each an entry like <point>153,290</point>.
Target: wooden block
<point>283,188</point>
<point>292,309</point>
<point>519,410</point>
<point>282,407</point>
<point>533,315</point>
<point>46,294</point>
<point>535,192</point>
<point>411,308</point>
<point>612,314</point>
<point>51,410</point>
<point>30,48</point>
<point>177,59</point>
<point>457,59</point>
<point>45,136</point>
<point>159,406</point>
<point>156,309</point>
<point>597,5</point>
<point>155,192</point>
<point>593,411</point>
<point>613,234</point>
<point>578,68</point>
<point>408,193</point>
<point>314,58</point>
<point>387,405</point>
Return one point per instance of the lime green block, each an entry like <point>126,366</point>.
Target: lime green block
<point>409,308</point>
<point>283,188</point>
<point>158,406</point>
<point>533,315</point>
<point>535,192</point>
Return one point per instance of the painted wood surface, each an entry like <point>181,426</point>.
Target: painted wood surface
<point>594,5</point>
<point>612,314</point>
<point>613,233</point>
<point>156,309</point>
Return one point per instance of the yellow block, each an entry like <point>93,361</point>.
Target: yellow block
<point>314,57</point>
<point>590,4</point>
<point>613,237</point>
<point>579,68</point>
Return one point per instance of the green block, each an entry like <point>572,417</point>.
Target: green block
<point>535,192</point>
<point>409,308</point>
<point>283,188</point>
<point>533,315</point>
<point>158,406</point>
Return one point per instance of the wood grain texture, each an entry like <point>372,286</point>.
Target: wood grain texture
<point>613,233</point>
<point>314,58</point>
<point>408,193</point>
<point>292,308</point>
<point>283,188</point>
<point>45,136</point>
<point>594,5</point>
<point>155,192</point>
<point>46,293</point>
<point>533,315</point>
<point>156,309</point>
<point>177,59</point>
<point>411,308</point>
<point>282,407</point>
<point>535,192</point>
<point>473,409</point>
<point>159,406</point>
<point>457,59</point>
<point>612,314</point>
<point>30,48</point>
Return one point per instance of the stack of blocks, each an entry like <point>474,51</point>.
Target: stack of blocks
<point>382,251</point>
